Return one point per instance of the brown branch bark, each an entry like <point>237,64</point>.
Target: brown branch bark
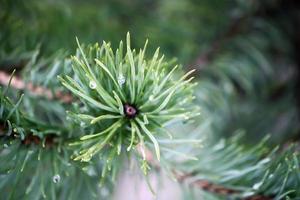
<point>18,83</point>
<point>30,139</point>
<point>215,188</point>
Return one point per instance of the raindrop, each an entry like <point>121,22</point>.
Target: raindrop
<point>151,98</point>
<point>93,85</point>
<point>271,175</point>
<point>121,79</point>
<point>76,153</point>
<point>104,191</point>
<point>264,161</point>
<point>82,124</point>
<point>56,178</point>
<point>256,186</point>
<point>186,117</point>
<point>294,167</point>
<point>248,194</point>
<point>91,171</point>
<point>5,145</point>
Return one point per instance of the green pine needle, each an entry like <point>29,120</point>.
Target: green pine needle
<point>125,97</point>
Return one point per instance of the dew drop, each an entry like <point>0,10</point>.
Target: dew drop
<point>271,176</point>
<point>56,178</point>
<point>76,153</point>
<point>91,171</point>
<point>256,186</point>
<point>248,194</point>
<point>264,161</point>
<point>151,97</point>
<point>294,167</point>
<point>93,84</point>
<point>82,124</point>
<point>104,191</point>
<point>186,117</point>
<point>121,79</point>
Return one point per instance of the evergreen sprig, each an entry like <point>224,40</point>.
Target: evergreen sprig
<point>246,172</point>
<point>35,160</point>
<point>126,98</point>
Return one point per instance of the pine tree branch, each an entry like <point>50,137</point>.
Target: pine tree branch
<point>31,139</point>
<point>215,188</point>
<point>205,185</point>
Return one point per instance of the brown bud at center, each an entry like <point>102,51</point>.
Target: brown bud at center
<point>130,111</point>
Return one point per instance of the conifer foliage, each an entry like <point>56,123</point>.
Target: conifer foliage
<point>126,99</point>
<point>75,113</point>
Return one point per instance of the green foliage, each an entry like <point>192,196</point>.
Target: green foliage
<point>246,84</point>
<point>35,160</point>
<point>126,99</point>
<point>248,171</point>
<point>166,23</point>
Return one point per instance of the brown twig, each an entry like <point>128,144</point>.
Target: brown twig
<point>30,138</point>
<point>18,83</point>
<point>214,188</point>
<point>204,184</point>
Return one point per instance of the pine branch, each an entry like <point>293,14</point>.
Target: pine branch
<point>208,184</point>
<point>182,177</point>
<point>136,91</point>
<point>36,161</point>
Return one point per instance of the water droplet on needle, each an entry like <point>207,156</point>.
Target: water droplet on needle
<point>56,178</point>
<point>93,85</point>
<point>121,79</point>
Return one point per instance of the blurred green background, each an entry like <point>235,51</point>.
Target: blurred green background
<point>180,28</point>
<point>246,52</point>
